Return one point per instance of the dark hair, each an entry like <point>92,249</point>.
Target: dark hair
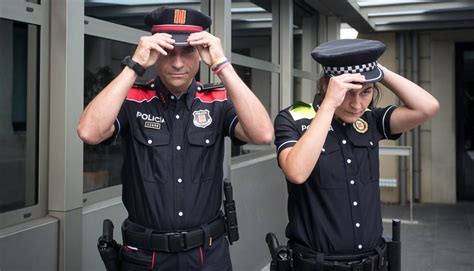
<point>322,86</point>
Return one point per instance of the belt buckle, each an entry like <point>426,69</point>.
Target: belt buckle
<point>176,241</point>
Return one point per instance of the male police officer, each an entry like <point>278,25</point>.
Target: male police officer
<point>174,132</point>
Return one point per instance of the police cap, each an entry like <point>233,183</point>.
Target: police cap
<point>179,22</point>
<point>351,56</point>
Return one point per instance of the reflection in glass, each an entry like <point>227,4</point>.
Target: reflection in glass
<point>297,88</point>
<point>260,83</point>
<point>18,118</point>
<point>102,163</point>
<point>299,14</point>
<point>252,29</point>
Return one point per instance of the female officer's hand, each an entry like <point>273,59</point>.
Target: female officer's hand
<point>338,87</point>
<point>150,48</point>
<point>208,46</point>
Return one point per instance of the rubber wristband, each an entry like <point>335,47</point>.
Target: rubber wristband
<point>220,64</point>
<point>218,70</point>
<point>222,59</point>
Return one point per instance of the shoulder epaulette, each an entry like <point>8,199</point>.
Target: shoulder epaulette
<point>210,87</point>
<point>302,110</point>
<point>141,92</point>
<point>144,85</point>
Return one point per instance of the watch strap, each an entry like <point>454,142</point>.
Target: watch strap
<point>129,62</point>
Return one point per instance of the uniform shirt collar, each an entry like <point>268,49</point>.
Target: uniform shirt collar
<point>164,94</point>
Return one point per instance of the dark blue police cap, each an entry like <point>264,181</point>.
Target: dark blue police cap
<point>179,22</point>
<point>351,56</point>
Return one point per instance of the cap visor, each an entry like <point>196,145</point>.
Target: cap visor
<point>373,76</point>
<point>181,39</point>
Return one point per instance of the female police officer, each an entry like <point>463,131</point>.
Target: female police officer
<point>328,152</point>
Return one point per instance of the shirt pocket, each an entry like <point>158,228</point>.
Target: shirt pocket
<point>151,154</point>
<point>367,152</point>
<point>203,155</point>
<point>332,172</point>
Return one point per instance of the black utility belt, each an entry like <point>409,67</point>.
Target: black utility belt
<point>144,238</point>
<point>369,261</point>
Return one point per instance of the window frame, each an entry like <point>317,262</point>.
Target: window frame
<point>116,32</point>
<point>37,15</point>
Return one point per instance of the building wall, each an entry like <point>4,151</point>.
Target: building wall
<point>443,170</point>
<point>436,75</point>
<point>30,246</point>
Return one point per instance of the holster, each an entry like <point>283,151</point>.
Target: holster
<point>109,249</point>
<point>395,248</point>
<point>232,227</point>
<point>281,255</point>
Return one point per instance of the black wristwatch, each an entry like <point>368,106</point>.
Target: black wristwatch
<point>128,61</point>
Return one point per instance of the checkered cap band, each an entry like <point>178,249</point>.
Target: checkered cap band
<point>350,69</point>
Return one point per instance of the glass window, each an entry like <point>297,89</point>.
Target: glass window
<point>102,163</point>
<point>300,14</point>
<point>130,12</point>
<point>259,82</point>
<point>297,88</point>
<point>297,48</point>
<point>252,29</point>
<point>304,89</point>
<point>19,71</point>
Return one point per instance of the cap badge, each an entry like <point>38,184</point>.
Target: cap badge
<point>179,16</point>
<point>361,126</point>
<point>202,118</point>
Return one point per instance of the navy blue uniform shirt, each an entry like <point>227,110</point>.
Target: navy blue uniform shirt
<point>337,210</point>
<point>174,148</point>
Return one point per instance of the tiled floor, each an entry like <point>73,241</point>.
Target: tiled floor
<point>443,239</point>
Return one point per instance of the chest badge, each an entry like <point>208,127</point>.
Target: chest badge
<point>202,118</point>
<point>152,125</point>
<point>361,126</point>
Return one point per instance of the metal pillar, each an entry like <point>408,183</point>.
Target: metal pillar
<point>286,52</point>
<point>66,150</point>
<point>403,138</point>
<point>416,131</point>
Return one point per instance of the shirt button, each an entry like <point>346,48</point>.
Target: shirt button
<point>355,203</point>
<point>180,180</point>
<point>352,182</point>
<point>198,88</point>
<point>323,149</point>
<point>359,246</point>
<point>207,141</point>
<point>343,124</point>
<point>178,148</point>
<point>357,225</point>
<point>180,213</point>
<point>152,85</point>
<point>177,117</point>
<point>344,141</point>
<point>150,141</point>
<point>172,97</point>
<point>349,161</point>
<point>371,143</point>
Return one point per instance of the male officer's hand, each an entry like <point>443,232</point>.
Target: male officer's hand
<point>338,87</point>
<point>151,47</point>
<point>208,46</point>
